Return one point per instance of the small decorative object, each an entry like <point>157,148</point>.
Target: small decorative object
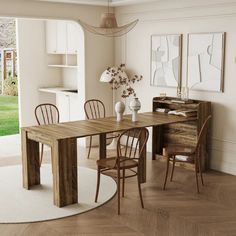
<point>119,108</point>
<point>185,93</point>
<point>135,106</point>
<point>163,95</point>
<point>182,95</point>
<point>166,60</point>
<point>179,92</point>
<point>162,110</point>
<point>205,61</point>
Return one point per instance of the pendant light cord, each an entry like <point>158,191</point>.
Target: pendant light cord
<point>108,6</point>
<point>125,48</point>
<point>124,62</point>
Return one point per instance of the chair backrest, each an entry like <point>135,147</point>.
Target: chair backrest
<point>46,113</point>
<point>134,141</point>
<point>94,109</point>
<point>203,132</point>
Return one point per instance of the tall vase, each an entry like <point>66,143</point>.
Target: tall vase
<point>135,106</point>
<point>119,108</point>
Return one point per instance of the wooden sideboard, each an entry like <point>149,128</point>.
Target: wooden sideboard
<point>181,133</point>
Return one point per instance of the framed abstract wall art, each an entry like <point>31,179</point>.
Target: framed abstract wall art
<point>166,60</point>
<point>205,61</point>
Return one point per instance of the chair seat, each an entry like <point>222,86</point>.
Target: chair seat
<point>178,150</point>
<point>110,162</point>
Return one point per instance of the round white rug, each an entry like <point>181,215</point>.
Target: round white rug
<point>18,205</point>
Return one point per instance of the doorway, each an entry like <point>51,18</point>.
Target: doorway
<point>9,112</point>
<point>36,68</point>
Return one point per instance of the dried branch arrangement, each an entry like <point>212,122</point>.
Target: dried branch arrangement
<point>119,78</point>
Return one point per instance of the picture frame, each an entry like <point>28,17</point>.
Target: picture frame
<point>205,61</point>
<point>166,60</point>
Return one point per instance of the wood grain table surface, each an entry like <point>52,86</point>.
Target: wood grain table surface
<point>83,128</point>
<point>62,137</point>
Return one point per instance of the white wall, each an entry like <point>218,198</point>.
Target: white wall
<point>99,55</point>
<point>33,69</point>
<point>169,17</point>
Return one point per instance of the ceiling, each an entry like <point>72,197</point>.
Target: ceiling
<point>102,2</point>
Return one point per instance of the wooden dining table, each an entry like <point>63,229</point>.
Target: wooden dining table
<point>62,138</point>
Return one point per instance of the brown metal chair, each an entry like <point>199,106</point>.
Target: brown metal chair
<point>46,113</point>
<point>95,109</point>
<point>193,154</point>
<point>129,157</point>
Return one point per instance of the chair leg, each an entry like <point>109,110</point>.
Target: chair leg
<point>167,170</point>
<point>52,162</point>
<point>123,183</point>
<point>41,155</point>
<point>173,168</point>
<point>90,145</point>
<point>196,174</point>
<point>98,183</point>
<point>118,191</point>
<point>139,189</point>
<point>200,169</point>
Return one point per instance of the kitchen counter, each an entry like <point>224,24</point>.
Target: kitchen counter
<point>59,90</point>
<point>66,100</point>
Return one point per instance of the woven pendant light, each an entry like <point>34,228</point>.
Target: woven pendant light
<point>108,26</point>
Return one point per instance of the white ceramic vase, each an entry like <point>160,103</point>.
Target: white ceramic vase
<point>119,108</point>
<point>135,106</point>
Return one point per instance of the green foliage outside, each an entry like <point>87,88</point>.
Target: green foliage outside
<point>10,87</point>
<point>9,122</point>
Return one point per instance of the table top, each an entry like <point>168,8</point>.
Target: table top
<point>83,128</point>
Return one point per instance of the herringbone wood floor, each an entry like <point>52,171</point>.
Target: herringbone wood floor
<point>178,211</point>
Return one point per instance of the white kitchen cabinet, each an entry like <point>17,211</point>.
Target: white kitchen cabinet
<point>74,107</point>
<point>68,106</point>
<point>73,38</point>
<point>51,36</point>
<point>63,105</point>
<point>62,37</point>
